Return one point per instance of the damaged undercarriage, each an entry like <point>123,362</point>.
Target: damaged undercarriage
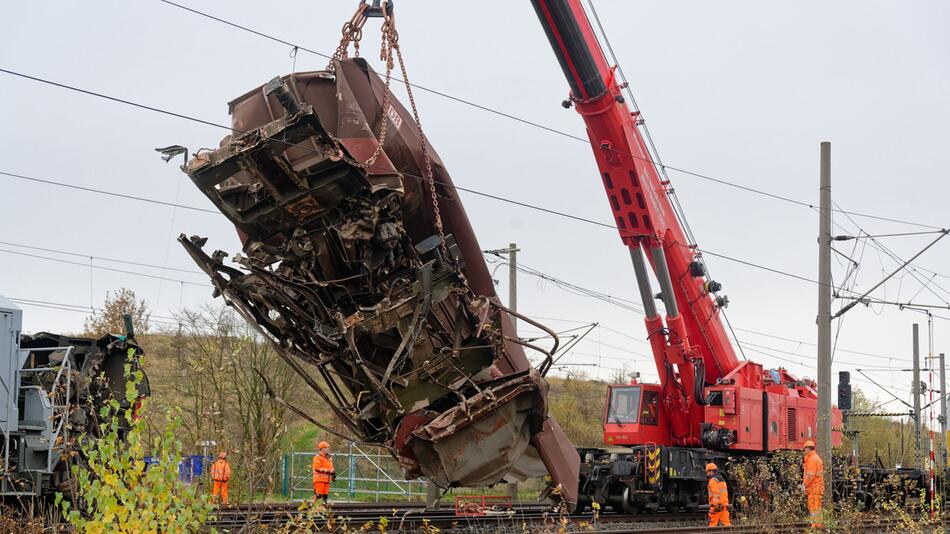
<point>361,263</point>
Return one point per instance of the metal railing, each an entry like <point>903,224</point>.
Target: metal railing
<point>61,389</point>
<point>358,473</point>
<point>55,395</point>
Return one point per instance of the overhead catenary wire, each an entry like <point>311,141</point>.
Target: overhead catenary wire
<point>789,353</point>
<point>850,280</point>
<point>540,336</point>
<point>878,236</point>
<point>625,304</point>
<point>81,307</point>
<point>509,116</point>
<point>444,184</point>
<point>102,258</point>
<point>103,192</point>
<point>765,350</point>
<point>104,268</point>
<point>462,189</point>
<point>296,145</point>
<point>654,155</point>
<point>76,308</point>
<point>879,249</point>
<point>802,342</point>
<point>583,291</point>
<point>87,309</point>
<point>910,268</point>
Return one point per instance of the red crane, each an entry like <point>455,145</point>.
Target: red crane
<point>706,397</point>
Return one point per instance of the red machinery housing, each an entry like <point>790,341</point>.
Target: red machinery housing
<point>707,400</point>
<point>766,418</point>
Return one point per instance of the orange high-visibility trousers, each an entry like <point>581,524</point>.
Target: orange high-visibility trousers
<point>719,518</point>
<point>220,487</point>
<point>814,509</point>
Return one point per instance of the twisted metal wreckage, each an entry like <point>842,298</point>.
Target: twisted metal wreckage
<point>53,389</point>
<point>359,259</point>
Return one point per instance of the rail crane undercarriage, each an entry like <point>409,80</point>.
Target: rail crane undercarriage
<point>361,264</point>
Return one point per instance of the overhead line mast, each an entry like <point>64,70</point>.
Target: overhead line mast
<point>824,313</point>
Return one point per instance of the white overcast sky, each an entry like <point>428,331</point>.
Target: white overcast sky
<point>740,91</point>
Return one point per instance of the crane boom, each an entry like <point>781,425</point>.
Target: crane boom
<point>693,335</point>
<point>705,397</point>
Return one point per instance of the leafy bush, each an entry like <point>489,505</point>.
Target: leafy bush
<point>117,492</point>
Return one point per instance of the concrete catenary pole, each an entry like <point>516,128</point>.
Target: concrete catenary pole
<point>915,391</point>
<point>943,414</point>
<point>824,314</point>
<point>513,283</point>
<point>513,306</point>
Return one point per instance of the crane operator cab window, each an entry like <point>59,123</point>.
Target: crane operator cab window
<point>650,408</point>
<point>626,407</point>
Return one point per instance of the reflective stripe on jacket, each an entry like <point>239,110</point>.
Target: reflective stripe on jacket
<point>322,468</point>
<point>813,474</point>
<point>220,470</point>
<point>717,490</point>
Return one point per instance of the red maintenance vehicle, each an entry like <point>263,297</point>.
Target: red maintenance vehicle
<point>708,405</point>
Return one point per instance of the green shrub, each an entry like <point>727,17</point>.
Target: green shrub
<point>117,492</point>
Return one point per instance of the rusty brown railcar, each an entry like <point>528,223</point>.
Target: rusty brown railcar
<point>364,267</point>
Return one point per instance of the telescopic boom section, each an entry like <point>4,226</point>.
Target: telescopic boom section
<point>641,207</point>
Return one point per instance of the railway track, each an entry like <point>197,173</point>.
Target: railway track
<point>874,524</point>
<point>403,516</point>
<point>414,517</point>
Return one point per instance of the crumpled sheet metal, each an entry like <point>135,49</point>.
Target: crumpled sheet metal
<point>99,374</point>
<point>343,269</point>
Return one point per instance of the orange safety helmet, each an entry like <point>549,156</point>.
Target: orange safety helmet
<point>711,467</point>
<point>809,443</point>
<point>323,445</point>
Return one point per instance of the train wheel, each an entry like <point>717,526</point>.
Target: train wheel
<point>691,507</point>
<point>628,506</point>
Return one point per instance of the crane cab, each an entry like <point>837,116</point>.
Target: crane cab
<point>633,415</point>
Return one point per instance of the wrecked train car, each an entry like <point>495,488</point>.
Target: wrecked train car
<point>358,261</point>
<point>52,388</point>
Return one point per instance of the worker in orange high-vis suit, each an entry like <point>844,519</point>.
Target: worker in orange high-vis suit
<point>220,475</point>
<point>813,482</point>
<point>323,472</point>
<point>718,497</point>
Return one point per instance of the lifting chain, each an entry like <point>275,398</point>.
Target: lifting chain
<point>352,32</point>
<point>429,176</point>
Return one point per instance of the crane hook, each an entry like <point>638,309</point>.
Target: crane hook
<point>379,9</point>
